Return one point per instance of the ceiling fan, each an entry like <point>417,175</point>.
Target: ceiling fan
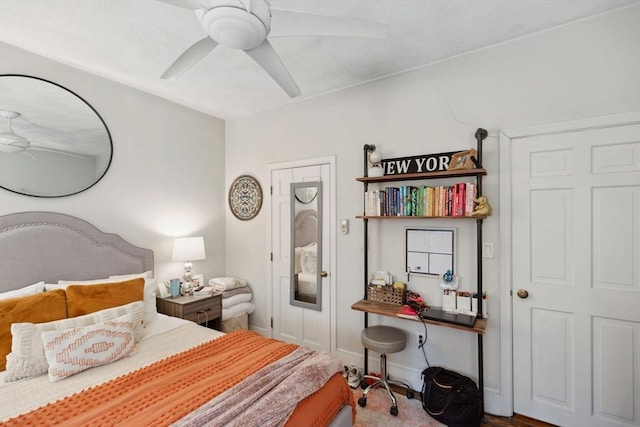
<point>247,24</point>
<point>11,142</point>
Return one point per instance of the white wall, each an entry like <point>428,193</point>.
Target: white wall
<point>590,68</point>
<point>167,174</point>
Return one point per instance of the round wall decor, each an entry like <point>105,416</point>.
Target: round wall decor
<point>245,197</point>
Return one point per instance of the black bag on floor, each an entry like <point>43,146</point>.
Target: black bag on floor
<point>451,398</point>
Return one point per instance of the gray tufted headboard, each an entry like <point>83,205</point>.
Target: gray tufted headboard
<point>49,246</point>
<point>306,227</point>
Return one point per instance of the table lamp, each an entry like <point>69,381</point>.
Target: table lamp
<point>188,249</point>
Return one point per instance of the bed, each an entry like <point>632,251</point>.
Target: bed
<point>161,370</point>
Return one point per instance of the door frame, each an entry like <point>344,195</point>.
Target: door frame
<point>507,139</point>
<point>331,216</point>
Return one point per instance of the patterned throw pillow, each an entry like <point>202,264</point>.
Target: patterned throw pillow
<point>74,350</point>
<point>27,357</point>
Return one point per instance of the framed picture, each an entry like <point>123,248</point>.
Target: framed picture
<point>463,160</point>
<point>197,280</point>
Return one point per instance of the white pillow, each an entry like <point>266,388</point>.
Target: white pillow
<point>36,288</point>
<point>27,357</point>
<point>74,350</point>
<point>297,254</point>
<point>309,259</point>
<point>150,290</point>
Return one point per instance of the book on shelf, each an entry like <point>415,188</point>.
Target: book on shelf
<point>421,201</point>
<point>407,312</point>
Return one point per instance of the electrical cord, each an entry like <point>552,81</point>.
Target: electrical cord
<point>206,317</point>
<point>424,341</point>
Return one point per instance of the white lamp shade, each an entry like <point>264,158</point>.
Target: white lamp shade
<point>188,249</point>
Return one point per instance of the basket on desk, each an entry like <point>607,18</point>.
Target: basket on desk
<point>386,294</point>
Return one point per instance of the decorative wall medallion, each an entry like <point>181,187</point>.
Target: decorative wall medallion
<point>245,197</point>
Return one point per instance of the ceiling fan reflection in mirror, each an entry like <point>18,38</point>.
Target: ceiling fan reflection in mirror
<point>247,24</point>
<point>11,142</point>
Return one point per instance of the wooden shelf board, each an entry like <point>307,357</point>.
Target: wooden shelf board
<point>420,217</point>
<point>391,310</point>
<point>423,175</point>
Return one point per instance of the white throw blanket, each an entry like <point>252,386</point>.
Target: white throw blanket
<point>236,299</point>
<point>226,283</point>
<point>237,310</point>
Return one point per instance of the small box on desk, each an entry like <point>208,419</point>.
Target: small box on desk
<point>474,305</point>
<point>464,302</point>
<point>449,301</point>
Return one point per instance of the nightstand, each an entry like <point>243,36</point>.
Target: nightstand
<point>205,311</point>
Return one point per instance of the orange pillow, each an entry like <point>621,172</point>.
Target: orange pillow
<point>39,308</point>
<point>85,299</point>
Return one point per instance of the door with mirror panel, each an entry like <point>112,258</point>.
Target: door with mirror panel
<point>300,239</point>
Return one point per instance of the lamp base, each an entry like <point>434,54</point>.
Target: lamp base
<point>185,287</point>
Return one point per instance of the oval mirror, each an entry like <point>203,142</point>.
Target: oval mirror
<point>52,142</point>
<point>306,195</point>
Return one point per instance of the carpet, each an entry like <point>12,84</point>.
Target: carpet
<point>376,413</point>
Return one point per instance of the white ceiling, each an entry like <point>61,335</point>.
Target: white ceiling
<point>134,41</point>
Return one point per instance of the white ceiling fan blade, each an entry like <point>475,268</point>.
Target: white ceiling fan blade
<point>190,4</point>
<point>287,23</point>
<point>190,57</point>
<point>268,59</point>
<point>34,147</point>
<point>31,156</point>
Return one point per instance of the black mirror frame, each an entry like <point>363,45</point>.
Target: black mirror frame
<point>94,111</point>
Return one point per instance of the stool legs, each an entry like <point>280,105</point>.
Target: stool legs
<point>385,382</point>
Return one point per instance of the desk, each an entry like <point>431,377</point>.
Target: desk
<point>391,310</point>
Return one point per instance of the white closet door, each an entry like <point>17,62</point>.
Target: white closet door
<point>576,252</point>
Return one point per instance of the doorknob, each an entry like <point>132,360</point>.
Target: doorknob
<point>523,293</point>
<point>323,273</point>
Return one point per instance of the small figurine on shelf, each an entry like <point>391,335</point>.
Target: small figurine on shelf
<point>483,208</point>
<point>449,280</point>
<point>375,168</point>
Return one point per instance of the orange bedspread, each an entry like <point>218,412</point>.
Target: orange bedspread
<point>164,392</point>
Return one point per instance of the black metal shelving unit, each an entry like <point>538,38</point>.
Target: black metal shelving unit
<point>478,172</point>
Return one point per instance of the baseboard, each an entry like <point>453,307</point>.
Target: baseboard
<point>265,332</point>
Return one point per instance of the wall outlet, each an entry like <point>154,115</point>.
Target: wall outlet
<point>419,339</point>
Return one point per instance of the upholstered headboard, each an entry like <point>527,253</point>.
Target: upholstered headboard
<point>305,227</point>
<point>48,246</point>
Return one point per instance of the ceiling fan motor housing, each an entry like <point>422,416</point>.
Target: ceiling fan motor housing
<point>237,28</point>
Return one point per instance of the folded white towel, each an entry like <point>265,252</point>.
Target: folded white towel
<point>237,310</point>
<point>236,299</point>
<point>226,283</point>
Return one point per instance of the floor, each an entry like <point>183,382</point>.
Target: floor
<point>410,414</point>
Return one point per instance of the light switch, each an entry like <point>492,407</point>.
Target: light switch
<point>487,250</point>
<point>344,226</point>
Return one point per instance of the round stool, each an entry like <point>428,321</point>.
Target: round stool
<point>383,340</point>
